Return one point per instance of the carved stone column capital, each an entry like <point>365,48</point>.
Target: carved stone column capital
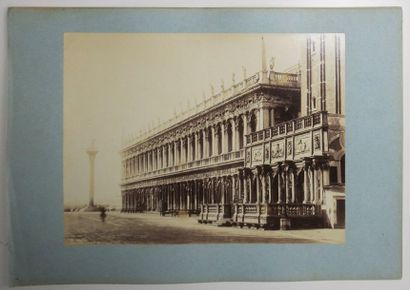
<point>266,169</point>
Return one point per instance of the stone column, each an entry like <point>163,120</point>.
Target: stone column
<point>263,191</point>
<point>152,159</point>
<point>186,150</point>
<point>214,141</point>
<point>208,137</point>
<point>319,185</point>
<point>263,118</point>
<point>292,179</point>
<point>234,191</point>
<point>137,165</point>
<point>205,141</point>
<point>201,145</point>
<point>132,201</point>
<point>280,174</point>
<point>272,117</point>
<point>182,151</point>
<point>314,192</point>
<point>240,188</point>
<point>195,193</point>
<point>155,154</point>
<point>126,202</point>
<point>164,155</point>
<point>170,153</point>
<point>224,143</point>
<point>146,161</point>
<point>189,144</point>
<point>245,128</point>
<point>245,189</point>
<point>213,191</point>
<point>149,161</point>
<point>311,184</point>
<point>166,196</point>
<point>132,166</point>
<point>173,196</point>
<point>143,161</point>
<point>258,188</point>
<point>197,154</point>
<point>287,193</point>
<point>159,157</point>
<point>222,193</point>
<point>188,196</point>
<point>176,158</point>
<point>235,133</point>
<point>204,192</point>
<point>305,185</point>
<point>92,152</point>
<point>269,179</point>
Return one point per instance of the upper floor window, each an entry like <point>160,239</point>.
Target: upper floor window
<point>314,101</point>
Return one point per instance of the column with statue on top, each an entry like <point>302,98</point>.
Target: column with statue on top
<point>92,152</point>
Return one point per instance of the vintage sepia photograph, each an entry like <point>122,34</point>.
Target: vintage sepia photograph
<point>182,138</point>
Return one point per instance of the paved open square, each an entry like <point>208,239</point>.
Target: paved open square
<point>140,228</point>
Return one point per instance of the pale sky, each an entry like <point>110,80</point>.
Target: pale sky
<point>117,84</point>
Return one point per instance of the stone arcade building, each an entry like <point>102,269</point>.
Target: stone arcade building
<point>266,152</point>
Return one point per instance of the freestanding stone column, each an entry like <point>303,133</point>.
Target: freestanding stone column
<point>92,152</point>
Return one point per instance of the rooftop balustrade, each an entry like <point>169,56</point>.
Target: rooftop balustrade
<point>287,80</point>
<point>289,128</point>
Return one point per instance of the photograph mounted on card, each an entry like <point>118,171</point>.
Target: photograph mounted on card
<point>148,141</point>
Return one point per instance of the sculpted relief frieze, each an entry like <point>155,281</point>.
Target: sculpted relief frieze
<point>257,155</point>
<point>302,145</point>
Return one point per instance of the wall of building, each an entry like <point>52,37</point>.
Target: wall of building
<point>323,74</point>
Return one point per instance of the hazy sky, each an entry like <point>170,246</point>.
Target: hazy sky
<point>117,84</point>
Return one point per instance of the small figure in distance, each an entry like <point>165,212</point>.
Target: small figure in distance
<point>103,215</point>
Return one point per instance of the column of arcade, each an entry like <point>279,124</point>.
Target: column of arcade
<point>182,196</point>
<point>220,138</point>
<point>284,182</point>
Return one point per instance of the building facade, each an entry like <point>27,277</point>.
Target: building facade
<point>266,152</point>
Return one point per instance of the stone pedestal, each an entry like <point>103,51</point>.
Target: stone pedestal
<point>284,224</point>
<point>91,208</point>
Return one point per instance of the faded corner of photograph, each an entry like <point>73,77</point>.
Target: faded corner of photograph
<point>204,138</point>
